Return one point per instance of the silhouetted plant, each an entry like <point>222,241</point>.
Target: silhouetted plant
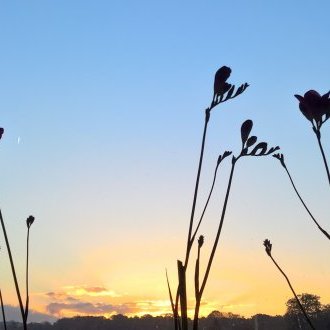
<point>3,312</point>
<point>13,271</point>
<point>268,249</point>
<point>280,157</point>
<point>29,222</point>
<point>24,310</point>
<point>248,149</point>
<point>222,92</point>
<point>316,109</point>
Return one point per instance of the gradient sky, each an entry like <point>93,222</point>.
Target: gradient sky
<point>102,104</point>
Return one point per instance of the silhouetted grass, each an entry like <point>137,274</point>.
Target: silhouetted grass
<point>268,249</point>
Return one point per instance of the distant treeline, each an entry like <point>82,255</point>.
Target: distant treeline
<point>214,321</point>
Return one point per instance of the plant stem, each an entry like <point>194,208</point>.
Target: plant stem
<point>13,272</point>
<point>208,268</point>
<point>205,207</point>
<point>3,312</point>
<point>27,276</point>
<point>294,293</point>
<point>304,204</point>
<point>182,272</point>
<point>207,117</point>
<point>323,155</point>
<point>172,303</point>
<point>183,295</point>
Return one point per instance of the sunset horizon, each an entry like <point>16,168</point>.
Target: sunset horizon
<point>126,126</point>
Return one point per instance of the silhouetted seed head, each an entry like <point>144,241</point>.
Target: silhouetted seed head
<point>314,106</point>
<point>1,132</point>
<point>268,246</point>
<point>280,157</point>
<point>261,149</point>
<point>222,157</point>
<point>200,241</point>
<point>221,76</point>
<point>29,221</point>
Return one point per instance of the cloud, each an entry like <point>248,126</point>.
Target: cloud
<point>84,300</point>
<point>79,291</point>
<point>88,308</point>
<point>13,313</point>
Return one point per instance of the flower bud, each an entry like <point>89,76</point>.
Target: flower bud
<point>29,221</point>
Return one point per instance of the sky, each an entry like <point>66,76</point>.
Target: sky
<point>103,104</point>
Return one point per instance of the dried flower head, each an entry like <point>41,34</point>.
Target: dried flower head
<point>280,157</point>
<point>223,91</point>
<point>221,76</point>
<point>315,107</point>
<point>223,156</point>
<point>261,149</point>
<point>29,221</point>
<point>268,247</point>
<point>200,241</point>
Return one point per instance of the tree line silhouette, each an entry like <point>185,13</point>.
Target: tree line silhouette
<point>292,319</point>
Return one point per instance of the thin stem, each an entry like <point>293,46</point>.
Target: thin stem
<point>206,204</point>
<point>195,324</point>
<point>190,244</point>
<point>172,303</point>
<point>304,204</point>
<point>323,155</point>
<point>176,308</point>
<point>208,268</point>
<point>183,295</point>
<point>220,227</point>
<point>294,293</point>
<point>27,276</point>
<point>197,273</point>
<point>3,312</point>
<point>13,271</point>
<point>188,248</point>
<point>207,117</point>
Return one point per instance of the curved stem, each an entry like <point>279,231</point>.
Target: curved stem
<point>294,293</point>
<point>323,155</point>
<point>13,271</point>
<point>304,204</point>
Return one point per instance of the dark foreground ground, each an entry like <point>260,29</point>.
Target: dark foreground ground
<point>146,322</point>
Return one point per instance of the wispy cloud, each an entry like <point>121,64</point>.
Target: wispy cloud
<point>87,308</point>
<point>84,300</point>
<point>93,291</point>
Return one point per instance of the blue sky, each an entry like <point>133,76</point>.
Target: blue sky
<point>102,104</point>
